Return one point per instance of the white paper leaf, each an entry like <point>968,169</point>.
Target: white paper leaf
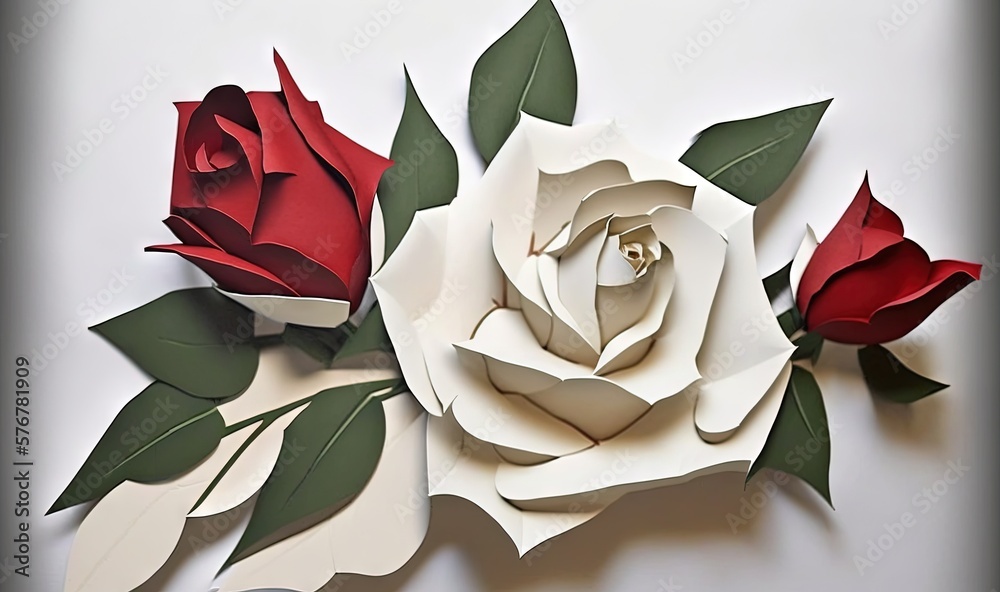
<point>375,535</point>
<point>133,530</point>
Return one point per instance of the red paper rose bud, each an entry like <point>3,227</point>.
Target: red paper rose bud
<point>268,199</point>
<point>866,284</point>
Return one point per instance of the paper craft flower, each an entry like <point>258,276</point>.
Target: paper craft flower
<point>866,284</point>
<point>592,313</point>
<point>274,204</point>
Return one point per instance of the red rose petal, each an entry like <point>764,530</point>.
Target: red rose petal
<point>184,194</point>
<point>202,131</point>
<point>875,240</point>
<point>311,214</point>
<point>360,167</point>
<point>843,246</point>
<point>904,315</point>
<point>861,289</point>
<point>230,272</point>
<point>280,138</point>
<point>188,233</point>
<point>297,270</point>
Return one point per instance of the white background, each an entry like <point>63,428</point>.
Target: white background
<point>895,91</point>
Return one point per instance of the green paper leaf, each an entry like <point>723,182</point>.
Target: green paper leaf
<point>778,282</point>
<point>425,173</point>
<point>808,347</point>
<point>890,379</point>
<point>751,158</point>
<point>320,344</point>
<point>159,434</point>
<point>799,442</point>
<point>790,321</point>
<point>196,340</point>
<point>337,442</point>
<point>531,69</point>
<point>370,336</point>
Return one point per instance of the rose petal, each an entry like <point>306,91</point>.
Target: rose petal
<point>297,310</point>
<point>405,301</point>
<point>802,256</point>
<point>631,345</point>
<point>503,420</point>
<point>842,247</point>
<point>898,318</point>
<point>632,199</point>
<point>459,465</point>
<point>360,167</point>
<point>744,348</point>
<point>862,288</point>
<point>567,390</point>
<point>662,448</point>
<point>188,233</point>
<point>230,271</point>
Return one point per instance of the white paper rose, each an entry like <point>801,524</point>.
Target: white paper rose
<point>585,322</point>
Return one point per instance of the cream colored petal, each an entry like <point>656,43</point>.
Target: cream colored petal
<point>559,195</point>
<point>406,299</point>
<point>620,307</point>
<point>698,255</point>
<point>744,348</point>
<point>567,338</point>
<point>531,300</point>
<point>662,448</point>
<point>298,310</point>
<point>577,284</point>
<point>632,199</point>
<point>632,344</point>
<point>462,466</point>
<point>374,535</point>
<point>508,421</point>
<point>568,391</point>
<point>801,260</point>
<point>133,530</point>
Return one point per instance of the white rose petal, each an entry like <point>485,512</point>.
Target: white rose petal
<point>558,309</point>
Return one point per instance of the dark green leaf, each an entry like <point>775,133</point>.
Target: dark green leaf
<point>529,69</point>
<point>888,378</point>
<point>160,433</point>
<point>799,442</point>
<point>425,173</point>
<point>337,442</point>
<point>320,344</point>
<point>751,158</point>
<point>370,336</point>
<point>790,321</point>
<point>196,340</point>
<point>778,282</point>
<point>808,347</point>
